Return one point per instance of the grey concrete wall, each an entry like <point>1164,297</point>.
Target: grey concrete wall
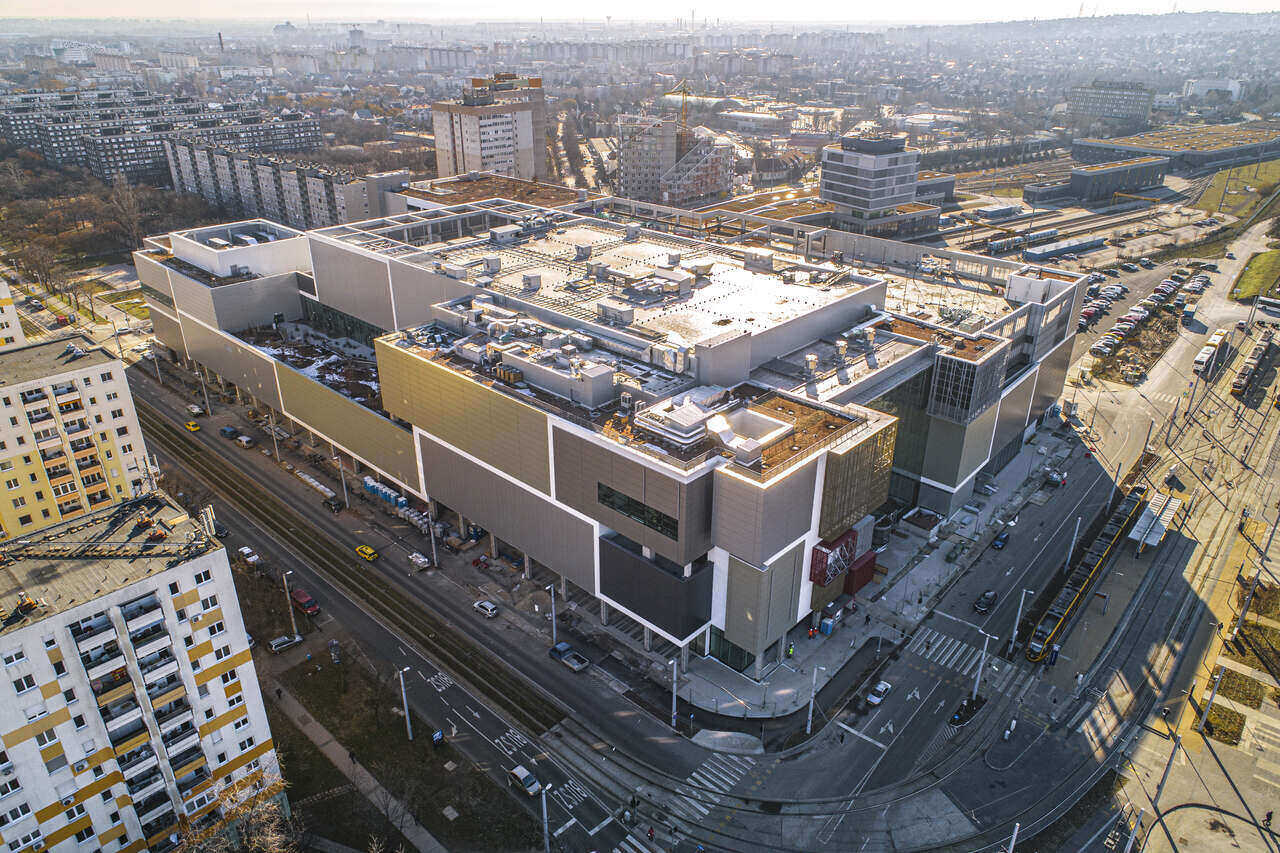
<point>192,297</point>
<point>352,282</point>
<point>415,290</point>
<point>255,302</point>
<point>154,276</point>
<point>1012,414</point>
<point>1052,375</point>
<point>726,363</point>
<point>534,524</point>
<point>234,361</point>
<point>753,522</point>
<point>167,330</point>
<point>760,605</point>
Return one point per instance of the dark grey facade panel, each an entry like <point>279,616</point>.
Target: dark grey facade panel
<point>1050,379</point>
<point>193,298</point>
<point>352,282</point>
<point>761,604</point>
<point>416,289</point>
<point>1012,417</point>
<point>168,331</point>
<point>754,523</point>
<point>559,540</point>
<point>680,606</point>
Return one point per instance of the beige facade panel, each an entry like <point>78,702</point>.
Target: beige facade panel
<point>233,360</point>
<point>555,538</point>
<point>193,297</point>
<point>582,466</point>
<point>856,481</point>
<point>377,440</point>
<point>477,420</point>
<point>761,604</point>
<point>754,520</point>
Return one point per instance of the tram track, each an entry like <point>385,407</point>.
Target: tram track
<point>502,687</point>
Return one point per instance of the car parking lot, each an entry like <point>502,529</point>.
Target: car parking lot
<point>1141,285</point>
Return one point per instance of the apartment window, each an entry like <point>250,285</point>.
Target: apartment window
<point>78,719</point>
<point>70,695</point>
<point>208,713</point>
<point>111,395</point>
<point>59,668</point>
<point>204,577</point>
<point>26,840</point>
<point>23,684</point>
<point>209,603</point>
<point>122,431</point>
<point>240,724</point>
<point>216,628</point>
<point>14,656</point>
<point>203,691</point>
<point>247,743</point>
<point>18,812</point>
<point>8,786</point>
<point>6,466</point>
<point>221,653</point>
<point>229,677</point>
<point>50,642</point>
<point>18,503</point>
<point>106,377</point>
<point>253,765</point>
<point>235,700</point>
<point>117,413</point>
<point>173,588</point>
<point>97,419</point>
<point>45,737</point>
<point>222,758</point>
<point>75,811</point>
<point>12,484</point>
<point>181,613</point>
<point>24,520</point>
<point>85,834</point>
<point>124,448</point>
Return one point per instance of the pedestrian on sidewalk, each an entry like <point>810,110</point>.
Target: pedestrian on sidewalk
<point>279,694</point>
<point>651,833</point>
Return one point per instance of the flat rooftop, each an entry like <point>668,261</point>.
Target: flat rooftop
<point>461,189</point>
<point>1178,140</point>
<point>1122,164</point>
<point>944,303</point>
<point>337,363</point>
<point>68,564</point>
<point>49,358</point>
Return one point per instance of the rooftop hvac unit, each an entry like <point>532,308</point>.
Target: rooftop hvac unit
<point>66,801</point>
<point>532,281</point>
<point>633,233</point>
<point>581,251</point>
<point>674,258</point>
<point>492,263</point>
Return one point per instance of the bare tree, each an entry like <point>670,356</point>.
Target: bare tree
<point>398,796</point>
<point>249,820</point>
<point>125,210</point>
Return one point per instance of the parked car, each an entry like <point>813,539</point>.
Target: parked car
<point>249,555</point>
<point>287,641</point>
<point>986,601</point>
<point>191,426</point>
<point>1114,273</point>
<point>334,505</point>
<point>228,432</point>
<point>366,552</point>
<point>245,441</point>
<point>1129,267</point>
<point>568,656</point>
<point>194,410</point>
<point>486,608</point>
<point>220,530</point>
<point>524,780</point>
<point>877,694</point>
<point>303,602</point>
<point>1146,262</point>
<point>1002,539</point>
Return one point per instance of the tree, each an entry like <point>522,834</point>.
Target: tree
<point>124,210</point>
<point>249,820</point>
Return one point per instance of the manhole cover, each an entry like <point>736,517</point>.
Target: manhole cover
<point>451,766</point>
<point>450,812</point>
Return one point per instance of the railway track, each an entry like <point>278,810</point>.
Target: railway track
<point>503,688</point>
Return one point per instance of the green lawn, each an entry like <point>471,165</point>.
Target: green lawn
<point>1259,276</point>
<point>1224,725</point>
<point>1241,688</point>
<point>129,301</point>
<point>1240,202</point>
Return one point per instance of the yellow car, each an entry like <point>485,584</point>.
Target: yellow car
<point>192,426</point>
<point>367,553</point>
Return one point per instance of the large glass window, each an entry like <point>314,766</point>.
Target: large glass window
<point>634,509</point>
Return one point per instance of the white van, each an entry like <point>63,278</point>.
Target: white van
<point>245,441</point>
<point>1203,359</point>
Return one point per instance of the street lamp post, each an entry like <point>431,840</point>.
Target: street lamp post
<point>288,602</point>
<point>1018,619</point>
<point>813,692</point>
<point>208,409</point>
<point>342,475</point>
<point>404,698</point>
<point>551,588</point>
<point>546,832</point>
<point>1213,694</point>
<point>982,661</point>
<point>674,672</point>
<point>431,526</point>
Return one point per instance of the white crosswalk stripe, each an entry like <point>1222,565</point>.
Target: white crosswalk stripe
<point>708,783</point>
<point>963,658</point>
<point>630,845</point>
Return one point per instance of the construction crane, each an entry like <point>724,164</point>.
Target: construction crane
<point>682,89</point>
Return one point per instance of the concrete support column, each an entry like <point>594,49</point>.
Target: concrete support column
<point>648,640</point>
<point>782,649</point>
<point>604,613</point>
<point>493,546</point>
<point>564,587</point>
<point>528,568</point>
<point>684,657</point>
<point>462,526</point>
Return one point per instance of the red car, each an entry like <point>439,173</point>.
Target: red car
<point>304,603</point>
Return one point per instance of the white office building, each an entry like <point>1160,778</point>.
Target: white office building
<point>498,125</point>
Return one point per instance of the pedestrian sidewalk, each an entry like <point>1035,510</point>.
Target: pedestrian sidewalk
<point>342,759</point>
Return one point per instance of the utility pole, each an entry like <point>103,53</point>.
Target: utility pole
<point>1177,743</point>
<point>1213,694</point>
<point>271,419</point>
<point>293,620</point>
<point>404,698</point>
<point>1018,619</point>
<point>1244,610</point>
<point>1013,842</point>
<point>1133,833</point>
<point>546,834</point>
<point>552,589</point>
<point>1066,563</point>
<point>813,692</point>
<point>342,475</point>
<point>208,410</point>
<point>674,671</point>
<point>982,661</point>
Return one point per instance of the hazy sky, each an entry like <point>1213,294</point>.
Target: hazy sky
<point>761,10</point>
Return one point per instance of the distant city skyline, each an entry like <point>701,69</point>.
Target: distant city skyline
<point>755,11</point>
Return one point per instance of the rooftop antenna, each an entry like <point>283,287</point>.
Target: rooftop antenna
<point>221,47</point>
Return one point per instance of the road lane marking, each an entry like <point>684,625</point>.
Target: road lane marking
<point>601,825</point>
<point>570,822</point>
<point>867,738</point>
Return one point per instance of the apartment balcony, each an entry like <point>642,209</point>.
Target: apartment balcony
<point>173,716</point>
<point>164,666</point>
<point>112,689</point>
<point>49,442</point>
<point>144,786</point>
<point>88,463</point>
<point>50,453</point>
<point>30,398</point>
<point>39,416</point>
<point>71,509</point>
<point>75,428</point>
<point>60,477</point>
<point>98,498</point>
<point>103,661</point>
<point>152,807</point>
<point>151,640</point>
<point>130,738</point>
<point>121,714</point>
<point>186,762</point>
<point>139,615</point>
<point>81,446</point>
<point>158,829</point>
<point>70,408</point>
<point>65,392</point>
<point>134,766</point>
<point>181,739</point>
<point>167,690</point>
<point>94,635</point>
